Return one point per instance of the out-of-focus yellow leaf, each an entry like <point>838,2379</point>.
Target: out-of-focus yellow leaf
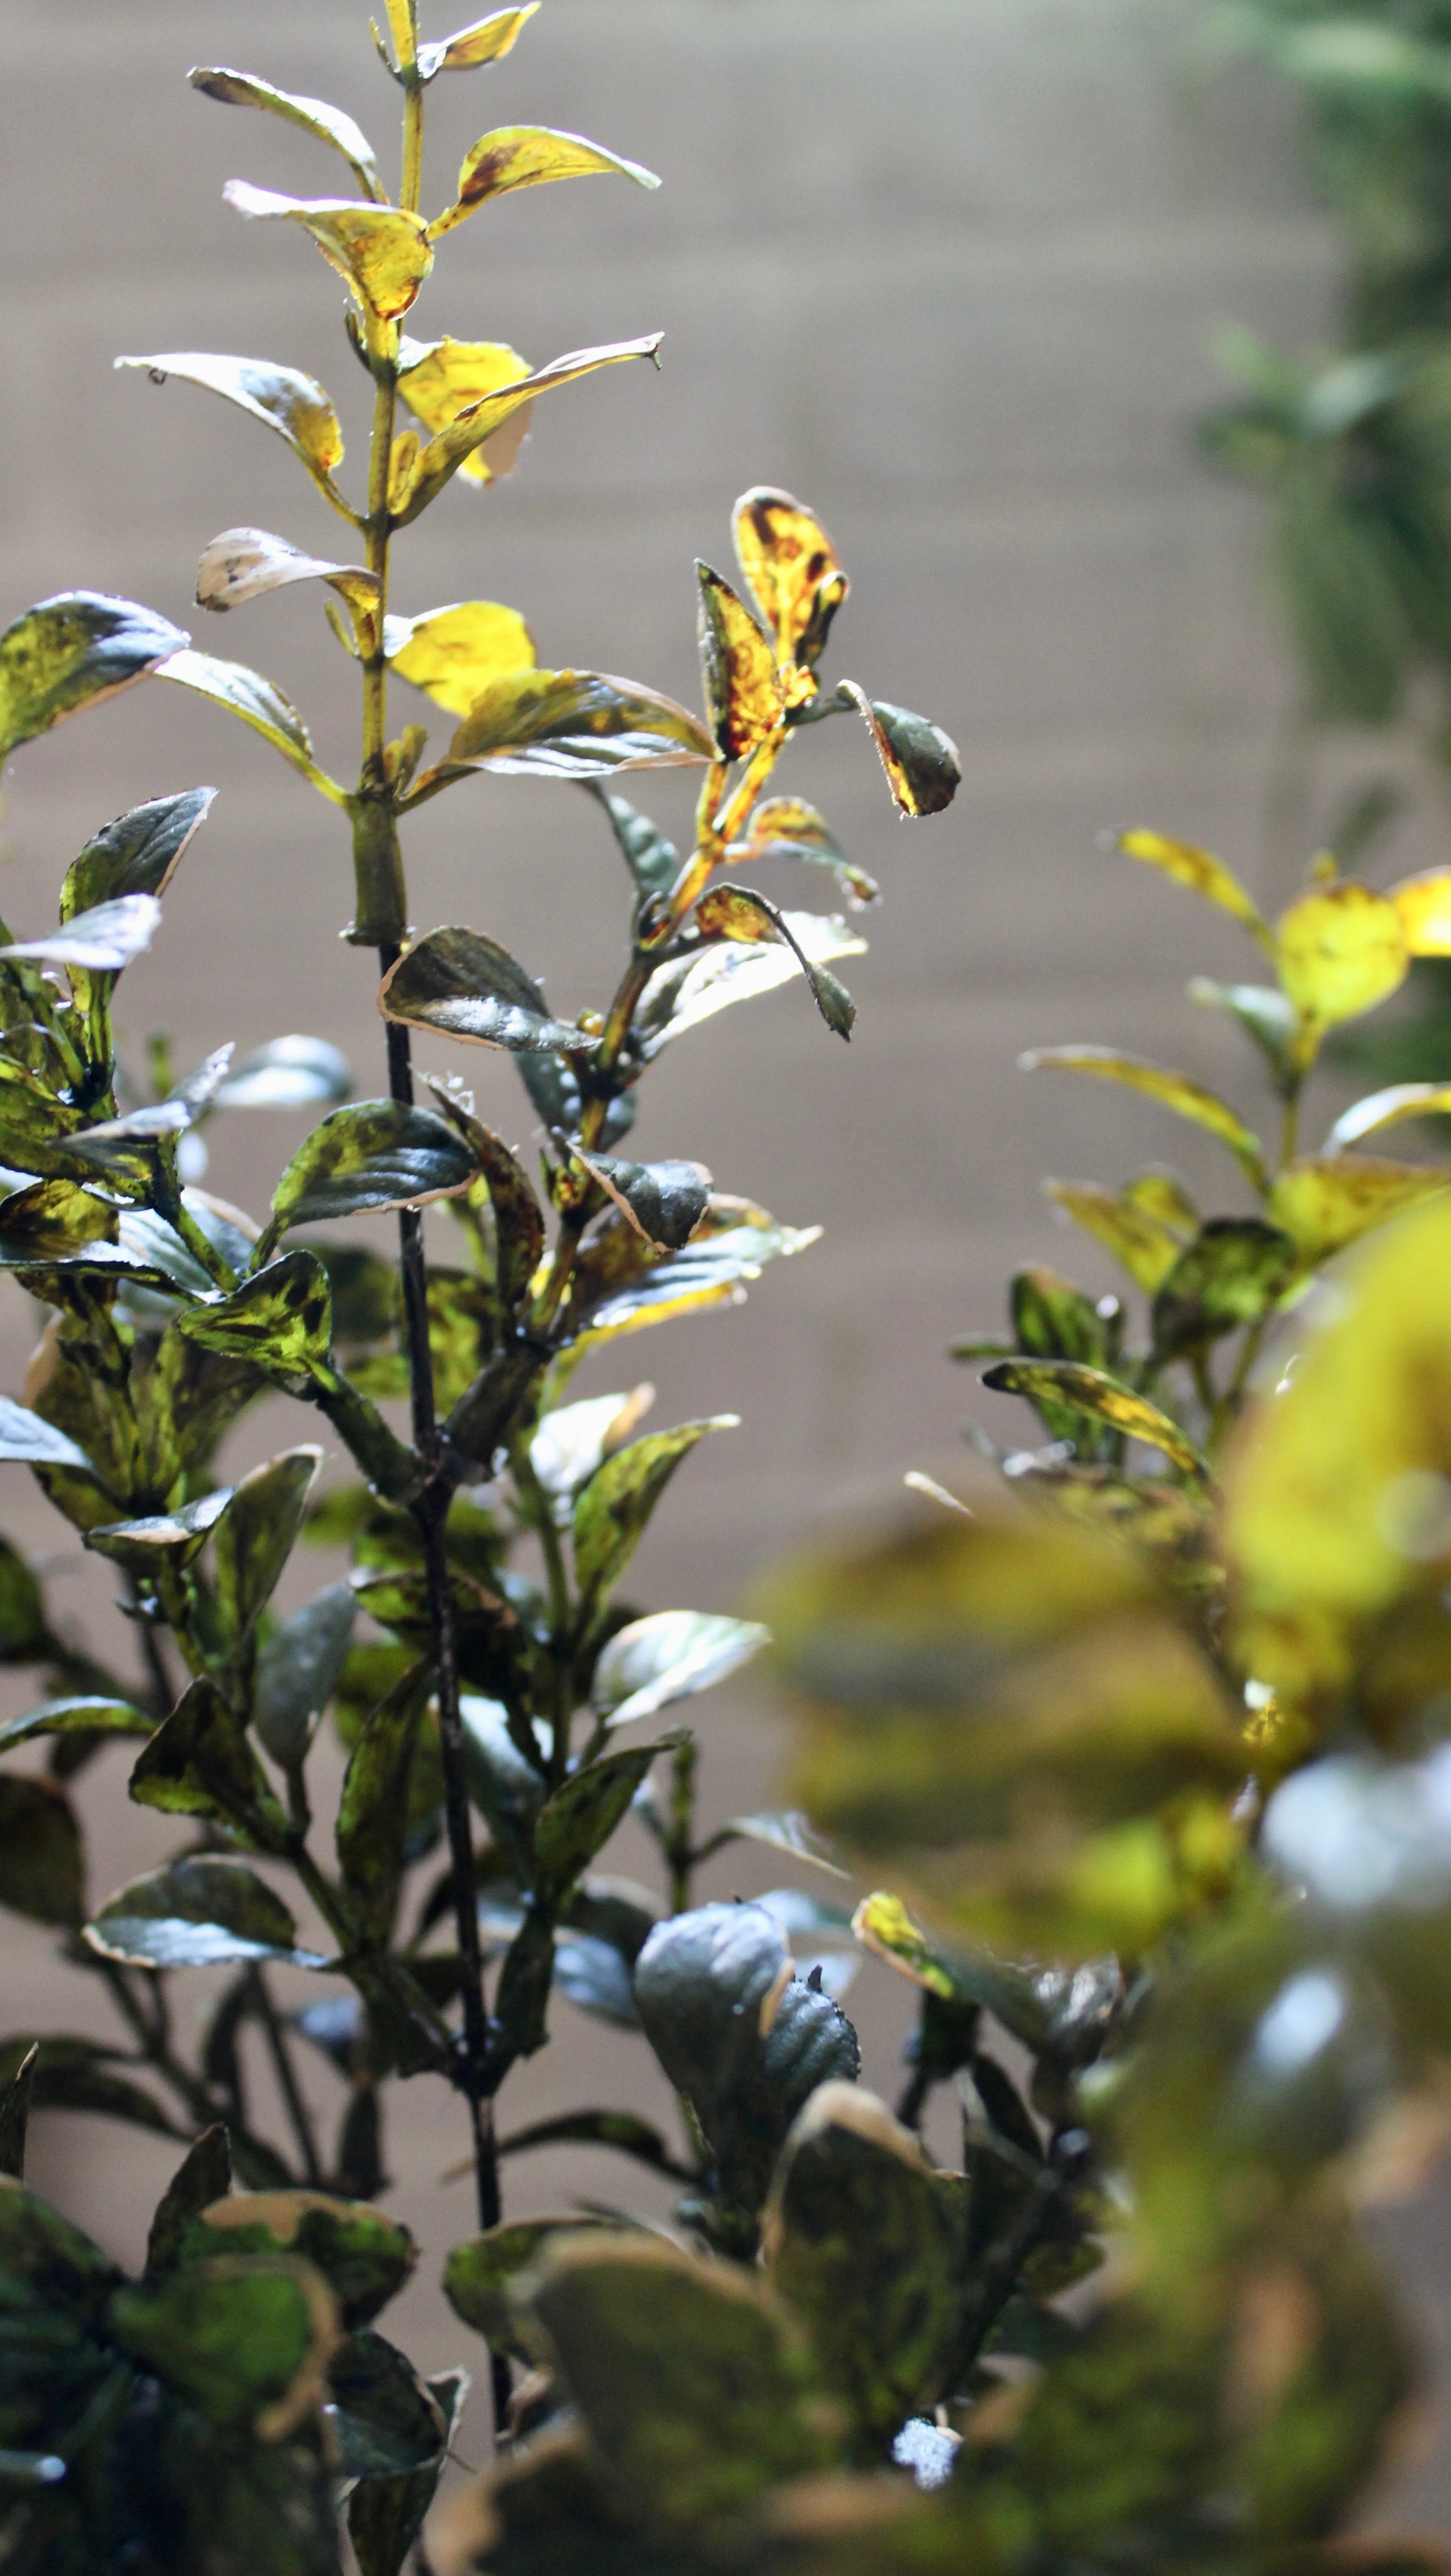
<point>1140,1242</point>
<point>242,563</point>
<point>743,694</point>
<point>1423,907</point>
<point>524,156</point>
<point>455,653</point>
<point>326,124</point>
<point>883,1925</point>
<point>1202,872</point>
<point>466,433</point>
<point>1340,949</point>
<point>1326,1202</point>
<point>1386,1109</point>
<point>1174,1091</point>
<point>383,251</point>
<point>1093,1391</point>
<point>1337,1489</point>
<point>486,41</point>
<point>448,377</point>
<point>786,558</point>
<point>282,397</point>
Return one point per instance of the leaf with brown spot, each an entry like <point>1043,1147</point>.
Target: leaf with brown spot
<point>486,41</point>
<point>383,252</point>
<point>242,563</point>
<point>743,694</point>
<point>524,156</point>
<point>787,557</point>
<point>739,914</point>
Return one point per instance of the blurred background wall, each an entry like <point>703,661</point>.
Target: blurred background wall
<point>950,270</point>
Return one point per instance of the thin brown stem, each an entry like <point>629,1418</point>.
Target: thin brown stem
<point>296,2108</point>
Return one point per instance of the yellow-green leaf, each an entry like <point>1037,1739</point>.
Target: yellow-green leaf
<point>383,252</point>
<point>246,694</point>
<point>326,124</point>
<point>468,430</point>
<point>743,693</point>
<point>1091,1390</point>
<point>70,652</point>
<point>1327,1202</point>
<point>883,1925</point>
<point>1140,1242</point>
<point>1176,1091</point>
<point>1423,908</point>
<point>1340,949</point>
<point>524,156</point>
<point>282,398</point>
<point>1202,872</point>
<point>442,378</point>
<point>486,41</point>
<point>576,724</point>
<point>455,653</point>
<point>1386,1109</point>
<point>791,569</point>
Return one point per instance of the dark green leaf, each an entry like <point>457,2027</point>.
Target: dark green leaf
<point>466,986</point>
<point>364,2257</point>
<point>480,2275</point>
<point>297,1671</point>
<point>204,2175</point>
<point>15,2114</point>
<point>255,1539</point>
<point>653,862</point>
<point>24,1633</point>
<point>200,1763</point>
<point>197,1912</point>
<point>576,724</point>
<point>369,1156</point>
<point>504,1784</point>
<point>1235,1271</point>
<point>625,2131</point>
<point>521,2000</point>
<point>387,2423</point>
<point>518,1217</point>
<point>739,913</point>
<point>858,2243</point>
<point>244,2341</point>
<point>41,1866</point>
<point>372,1824</point>
<point>71,651</point>
<point>579,1819</point>
<point>385,2515</point>
<point>137,854</point>
<point>81,2075</point>
<point>921,762</point>
<point>76,1717</point>
<point>280,1319</point>
<point>612,1513</point>
<point>664,1202</point>
<point>41,2249</point>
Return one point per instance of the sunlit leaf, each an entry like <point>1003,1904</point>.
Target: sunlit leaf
<point>1340,949</point>
<point>156,1539</point>
<point>1386,1109</point>
<point>1141,1241</point>
<point>614,1509</point>
<point>923,768</point>
<point>1092,1391</point>
<point>486,41</point>
<point>198,1912</point>
<point>246,694</point>
<point>785,827</point>
<point>243,563</point>
<point>689,990</point>
<point>1328,1203</point>
<point>1174,1091</point>
<point>383,252</point>
<point>280,1319</point>
<point>327,124</point>
<point>791,569</point>
<point>25,1437</point>
<point>286,1073</point>
<point>466,986</point>
<point>137,854</point>
<point>1186,865</point>
<point>70,652</point>
<point>440,379</point>
<point>664,1202</point>
<point>101,940</point>
<point>79,1716</point>
<point>711,1271</point>
<point>282,398</point>
<point>366,1157</point>
<point>454,654</point>
<point>523,156</point>
<point>740,914</point>
<point>465,434</point>
<point>743,693</point>
<point>576,724</point>
<point>1263,1013</point>
<point>669,1656</point>
<point>1423,906</point>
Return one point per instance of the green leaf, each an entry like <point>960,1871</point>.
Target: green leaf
<point>669,1656</point>
<point>524,156</point>
<point>612,1513</point>
<point>204,2175</point>
<point>784,827</point>
<point>298,1669</point>
<point>466,986</point>
<point>477,422</point>
<point>82,1716</point>
<point>739,913</point>
<point>745,2041</point>
<point>386,2421</point>
<point>282,398</point>
<point>482,2273</point>
<point>1235,1271</point>
<point>922,764</point>
<point>326,124</point>
<point>25,1438</point>
<point>1172,1090</point>
<point>256,1535</point>
<point>664,1202</point>
<point>15,2114</point>
<point>625,2131</point>
<point>24,1630</point>
<point>198,1912</point>
<point>727,2415</point>
<point>137,854</point>
<point>41,2250</point>
<point>381,252</point>
<point>653,862</point>
<point>486,41</point>
<point>246,694</point>
<point>372,1826</point>
<point>1094,1392</point>
<point>280,1318</point>
<point>576,724</point>
<point>70,652</point>
<point>245,2342</point>
<point>364,2256</point>
<point>41,1864</point>
<point>80,2075</point>
<point>578,1820</point>
<point>858,2244</point>
<point>385,2515</point>
<point>367,1157</point>
<point>518,1217</point>
<point>177,1538</point>
<point>286,1073</point>
<point>200,1763</point>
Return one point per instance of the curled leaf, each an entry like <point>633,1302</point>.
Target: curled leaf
<point>664,1202</point>
<point>439,379</point>
<point>326,124</point>
<point>923,769</point>
<point>738,913</point>
<point>465,434</point>
<point>680,995</point>
<point>669,1656</point>
<point>1386,1109</point>
<point>383,252</point>
<point>242,563</point>
<point>786,827</point>
<point>486,41</point>
<point>524,156</point>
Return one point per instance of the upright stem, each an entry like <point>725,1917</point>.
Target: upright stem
<point>288,2086</point>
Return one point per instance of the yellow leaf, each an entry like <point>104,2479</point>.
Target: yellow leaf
<point>326,124</point>
<point>465,434</point>
<point>1093,1391</point>
<point>486,41</point>
<point>1202,872</point>
<point>1174,1091</point>
<point>788,560</point>
<point>743,696</point>
<point>382,251</point>
<point>446,378</point>
<point>524,156</point>
<point>1423,905</point>
<point>577,724</point>
<point>287,401</point>
<point>1386,1109</point>
<point>455,653</point>
<point>1329,1202</point>
<point>1140,1242</point>
<point>1340,950</point>
<point>883,1925</point>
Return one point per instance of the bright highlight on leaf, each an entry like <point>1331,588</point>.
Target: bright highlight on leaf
<point>486,41</point>
<point>282,398</point>
<point>524,156</point>
<point>1423,905</point>
<point>382,252</point>
<point>442,378</point>
<point>243,563</point>
<point>576,724</point>
<point>467,432</point>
